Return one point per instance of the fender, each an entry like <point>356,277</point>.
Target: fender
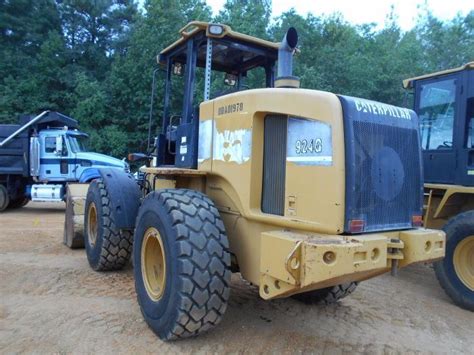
<point>89,175</point>
<point>124,194</point>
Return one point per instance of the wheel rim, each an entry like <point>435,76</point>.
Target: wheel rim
<point>92,224</point>
<point>463,260</point>
<point>153,264</point>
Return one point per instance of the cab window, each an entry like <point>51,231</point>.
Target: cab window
<point>437,111</point>
<point>65,152</point>
<point>50,144</point>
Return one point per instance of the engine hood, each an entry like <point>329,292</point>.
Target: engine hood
<point>100,160</point>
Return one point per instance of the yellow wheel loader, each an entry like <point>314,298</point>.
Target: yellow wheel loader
<point>303,192</point>
<point>444,102</point>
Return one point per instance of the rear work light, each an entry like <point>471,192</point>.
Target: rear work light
<point>417,220</point>
<point>356,226</point>
<point>215,30</point>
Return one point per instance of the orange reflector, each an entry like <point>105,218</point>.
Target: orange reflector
<point>416,220</point>
<point>356,225</point>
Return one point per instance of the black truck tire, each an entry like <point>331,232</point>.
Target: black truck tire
<point>328,295</point>
<point>455,272</point>
<point>181,263</point>
<point>19,202</point>
<point>107,247</point>
<point>4,198</point>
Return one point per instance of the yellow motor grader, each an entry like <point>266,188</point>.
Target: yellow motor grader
<point>303,192</point>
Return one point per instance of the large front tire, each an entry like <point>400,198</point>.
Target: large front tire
<point>107,247</point>
<point>455,272</point>
<point>181,263</point>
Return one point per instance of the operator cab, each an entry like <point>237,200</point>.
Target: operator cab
<point>444,102</point>
<point>234,59</point>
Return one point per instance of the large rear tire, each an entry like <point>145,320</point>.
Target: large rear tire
<point>182,263</point>
<point>455,272</point>
<point>107,247</point>
<point>4,198</point>
<point>327,295</point>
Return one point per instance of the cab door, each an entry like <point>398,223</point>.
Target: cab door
<point>438,109</point>
<point>465,173</point>
<point>67,160</point>
<point>49,163</point>
<point>55,163</point>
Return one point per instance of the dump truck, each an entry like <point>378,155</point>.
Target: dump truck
<point>42,157</point>
<point>303,192</point>
<point>444,102</point>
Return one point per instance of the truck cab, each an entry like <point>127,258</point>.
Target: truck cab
<point>42,154</point>
<point>64,156</point>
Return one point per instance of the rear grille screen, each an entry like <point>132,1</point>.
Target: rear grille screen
<point>387,176</point>
<point>383,172</point>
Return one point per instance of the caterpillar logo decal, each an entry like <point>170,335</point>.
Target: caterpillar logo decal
<point>377,108</point>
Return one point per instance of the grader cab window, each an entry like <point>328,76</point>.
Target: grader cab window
<point>437,111</point>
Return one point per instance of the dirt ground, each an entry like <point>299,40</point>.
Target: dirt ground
<point>52,302</point>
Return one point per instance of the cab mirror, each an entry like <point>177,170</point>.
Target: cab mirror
<point>59,145</point>
<point>178,69</point>
<point>230,79</point>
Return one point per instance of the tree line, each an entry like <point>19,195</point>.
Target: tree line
<point>93,59</point>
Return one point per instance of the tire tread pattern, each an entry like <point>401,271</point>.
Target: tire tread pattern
<point>203,261</point>
<point>117,244</point>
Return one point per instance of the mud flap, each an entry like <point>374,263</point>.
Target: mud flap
<point>125,197</point>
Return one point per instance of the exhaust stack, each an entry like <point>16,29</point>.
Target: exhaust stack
<point>285,78</point>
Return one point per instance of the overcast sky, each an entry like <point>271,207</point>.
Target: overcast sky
<point>366,11</point>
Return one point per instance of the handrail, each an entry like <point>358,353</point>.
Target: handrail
<point>197,24</point>
<point>21,129</point>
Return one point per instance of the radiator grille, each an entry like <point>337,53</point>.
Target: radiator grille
<point>387,176</point>
<point>384,180</point>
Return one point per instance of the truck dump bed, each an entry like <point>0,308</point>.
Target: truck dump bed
<point>14,155</point>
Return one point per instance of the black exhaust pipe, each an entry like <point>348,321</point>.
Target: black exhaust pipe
<point>285,78</point>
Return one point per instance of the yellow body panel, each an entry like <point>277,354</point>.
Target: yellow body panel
<point>244,173</point>
<point>235,180</point>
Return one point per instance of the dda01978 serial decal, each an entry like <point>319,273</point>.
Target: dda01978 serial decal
<point>309,142</point>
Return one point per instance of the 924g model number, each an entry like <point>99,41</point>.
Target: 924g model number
<point>305,146</point>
